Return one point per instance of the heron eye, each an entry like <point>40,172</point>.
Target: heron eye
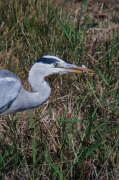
<point>56,64</point>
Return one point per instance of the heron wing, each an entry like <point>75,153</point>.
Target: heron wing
<point>9,88</point>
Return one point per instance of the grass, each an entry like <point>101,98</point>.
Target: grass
<point>74,135</point>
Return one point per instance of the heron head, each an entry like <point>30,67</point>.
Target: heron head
<point>48,65</point>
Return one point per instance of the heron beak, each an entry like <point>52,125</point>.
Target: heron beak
<point>76,69</point>
<point>82,70</point>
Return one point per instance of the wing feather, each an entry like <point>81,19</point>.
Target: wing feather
<point>9,88</point>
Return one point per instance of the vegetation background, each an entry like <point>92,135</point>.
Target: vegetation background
<point>75,134</point>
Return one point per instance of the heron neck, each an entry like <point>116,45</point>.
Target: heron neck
<point>40,87</point>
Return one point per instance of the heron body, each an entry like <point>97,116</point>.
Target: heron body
<point>13,96</point>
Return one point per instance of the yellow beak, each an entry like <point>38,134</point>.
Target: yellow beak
<point>82,70</point>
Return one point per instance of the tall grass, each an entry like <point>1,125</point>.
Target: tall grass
<point>75,134</point>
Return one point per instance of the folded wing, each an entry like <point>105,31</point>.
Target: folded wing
<point>9,89</point>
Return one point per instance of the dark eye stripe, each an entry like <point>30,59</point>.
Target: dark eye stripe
<point>46,60</point>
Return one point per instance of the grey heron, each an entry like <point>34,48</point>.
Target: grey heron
<point>13,96</point>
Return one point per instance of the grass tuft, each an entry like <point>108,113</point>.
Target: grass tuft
<point>74,135</point>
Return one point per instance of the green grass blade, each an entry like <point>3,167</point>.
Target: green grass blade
<point>86,3</point>
<point>62,26</point>
<point>101,75</point>
<point>55,168</point>
<point>34,147</point>
<point>93,148</point>
<point>75,121</point>
<point>112,51</point>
